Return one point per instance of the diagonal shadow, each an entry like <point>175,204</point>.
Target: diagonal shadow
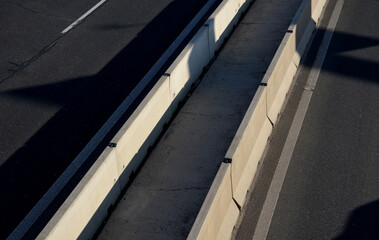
<point>349,42</point>
<point>340,63</point>
<point>364,70</point>
<point>363,223</point>
<point>29,173</point>
<point>53,94</point>
<point>342,59</point>
<point>57,93</point>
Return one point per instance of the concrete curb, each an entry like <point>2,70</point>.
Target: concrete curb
<point>251,138</point>
<point>248,145</point>
<point>218,208</point>
<point>86,207</point>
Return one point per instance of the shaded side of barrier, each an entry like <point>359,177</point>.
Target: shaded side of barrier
<point>251,138</point>
<point>222,21</point>
<point>98,186</point>
<point>290,51</point>
<point>144,126</point>
<point>218,212</point>
<point>280,75</point>
<point>248,145</point>
<point>242,159</point>
<point>86,207</point>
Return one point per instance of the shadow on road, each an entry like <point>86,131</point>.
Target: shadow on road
<point>341,59</point>
<point>29,173</point>
<point>88,102</point>
<point>363,223</point>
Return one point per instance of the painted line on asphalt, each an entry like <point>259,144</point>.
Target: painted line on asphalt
<point>34,214</point>
<point>268,209</point>
<point>67,29</point>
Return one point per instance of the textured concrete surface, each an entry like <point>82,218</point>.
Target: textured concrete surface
<point>331,187</point>
<point>219,213</point>
<point>164,199</point>
<point>57,90</point>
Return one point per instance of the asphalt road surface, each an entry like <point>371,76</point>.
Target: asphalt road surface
<point>58,85</point>
<point>331,187</point>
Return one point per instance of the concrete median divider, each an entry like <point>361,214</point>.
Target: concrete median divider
<point>251,138</point>
<point>218,212</point>
<point>248,145</point>
<point>221,22</point>
<point>187,68</point>
<point>98,186</point>
<point>287,58</point>
<point>88,204</point>
<point>279,75</point>
<point>144,126</point>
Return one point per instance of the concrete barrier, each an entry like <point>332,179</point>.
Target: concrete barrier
<point>144,126</point>
<point>141,129</point>
<point>219,214</point>
<point>286,60</point>
<point>243,154</point>
<point>248,145</point>
<point>221,22</point>
<point>86,207</point>
<point>251,138</point>
<point>98,186</point>
<point>190,63</point>
<point>279,75</point>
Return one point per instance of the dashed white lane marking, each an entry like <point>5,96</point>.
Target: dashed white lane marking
<point>268,209</point>
<point>67,29</point>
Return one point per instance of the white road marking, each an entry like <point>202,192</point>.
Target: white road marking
<point>67,29</point>
<point>34,214</point>
<point>268,209</point>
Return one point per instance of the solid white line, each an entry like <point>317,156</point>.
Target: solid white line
<point>67,29</point>
<point>268,209</point>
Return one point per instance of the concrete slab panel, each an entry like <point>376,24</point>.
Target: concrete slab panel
<point>218,214</point>
<point>284,64</point>
<point>278,11</point>
<point>251,53</point>
<point>188,155</point>
<point>137,130</point>
<point>248,145</point>
<point>221,23</point>
<point>190,63</point>
<point>235,84</point>
<point>98,187</point>
<point>275,74</point>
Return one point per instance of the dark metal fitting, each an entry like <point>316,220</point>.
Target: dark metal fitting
<point>112,145</point>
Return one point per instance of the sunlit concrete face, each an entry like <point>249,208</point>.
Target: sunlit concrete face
<point>57,89</point>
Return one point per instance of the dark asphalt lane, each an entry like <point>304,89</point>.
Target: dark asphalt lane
<point>331,190</point>
<point>54,101</point>
<point>28,26</point>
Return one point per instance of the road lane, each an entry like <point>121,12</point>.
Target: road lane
<point>270,203</point>
<point>27,27</point>
<point>331,187</point>
<point>55,105</point>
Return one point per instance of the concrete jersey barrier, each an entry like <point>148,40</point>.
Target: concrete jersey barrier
<point>248,145</point>
<point>86,207</point>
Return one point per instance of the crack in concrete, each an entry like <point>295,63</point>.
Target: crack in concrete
<point>44,50</point>
<point>41,13</point>
<point>26,63</point>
